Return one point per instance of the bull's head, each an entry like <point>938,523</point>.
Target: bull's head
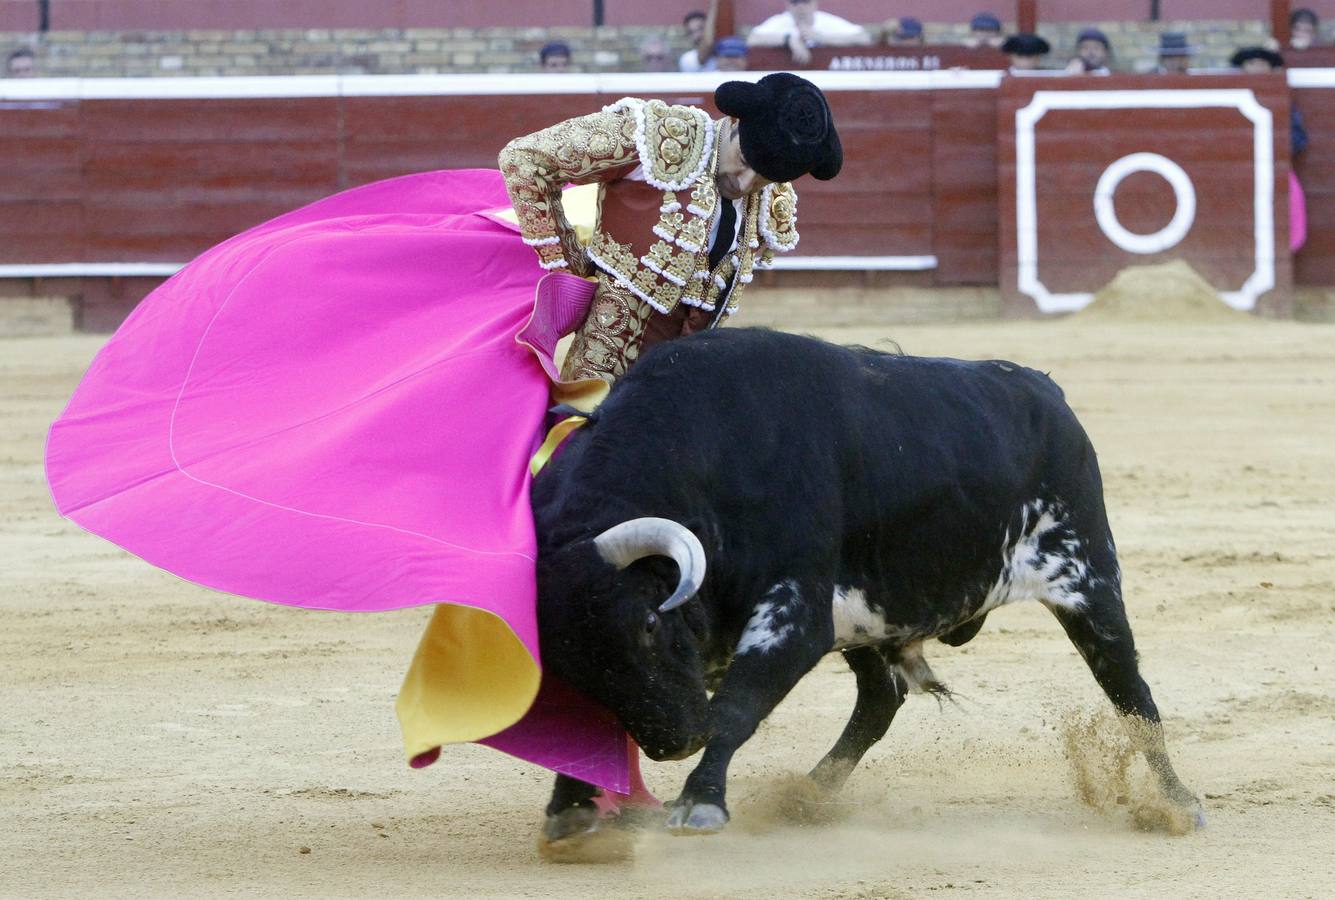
<point>607,626</point>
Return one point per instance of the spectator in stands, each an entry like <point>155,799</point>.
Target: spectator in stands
<point>803,26</point>
<point>20,63</point>
<point>731,54</point>
<point>656,55</point>
<point>694,23</point>
<point>904,32</point>
<point>1174,53</point>
<point>984,31</point>
<point>1091,53</point>
<point>1259,60</point>
<point>1303,25</point>
<point>1026,51</point>
<point>1255,60</point>
<point>555,57</point>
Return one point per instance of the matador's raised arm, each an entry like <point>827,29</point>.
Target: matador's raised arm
<point>597,147</point>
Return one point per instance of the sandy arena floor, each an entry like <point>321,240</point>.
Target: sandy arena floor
<point>158,739</point>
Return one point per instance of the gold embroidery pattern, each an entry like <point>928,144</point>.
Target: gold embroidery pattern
<point>674,137</point>
<point>537,166</point>
<point>778,224</point>
<point>609,340</point>
<point>671,142</point>
<point>618,262</point>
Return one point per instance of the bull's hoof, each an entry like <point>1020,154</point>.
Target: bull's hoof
<point>578,836</point>
<point>686,818</point>
<point>1191,817</point>
<point>1175,817</point>
<point>1192,809</point>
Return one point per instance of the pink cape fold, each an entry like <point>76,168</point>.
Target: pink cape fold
<point>331,410</point>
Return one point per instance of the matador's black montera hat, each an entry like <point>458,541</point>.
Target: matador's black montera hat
<point>785,126</point>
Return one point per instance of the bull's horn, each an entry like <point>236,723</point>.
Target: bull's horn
<point>623,544</point>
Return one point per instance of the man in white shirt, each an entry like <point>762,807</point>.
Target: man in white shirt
<point>804,26</point>
<point>695,23</point>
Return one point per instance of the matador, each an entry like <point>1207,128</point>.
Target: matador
<point>689,207</point>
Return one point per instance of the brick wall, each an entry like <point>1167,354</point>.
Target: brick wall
<point>442,50</point>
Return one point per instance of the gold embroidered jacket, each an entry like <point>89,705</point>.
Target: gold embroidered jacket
<point>652,236</point>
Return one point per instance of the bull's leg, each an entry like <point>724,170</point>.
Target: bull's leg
<point>784,640</point>
<point>881,692</point>
<point>571,810</point>
<point>1100,631</point>
<point>574,831</point>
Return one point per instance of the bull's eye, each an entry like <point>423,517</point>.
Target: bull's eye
<point>651,622</point>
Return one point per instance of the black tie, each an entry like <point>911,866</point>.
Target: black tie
<point>727,231</point>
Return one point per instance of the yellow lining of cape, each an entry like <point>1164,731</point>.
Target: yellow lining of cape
<point>470,678</point>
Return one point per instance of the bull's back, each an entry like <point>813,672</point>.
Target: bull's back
<point>774,395</point>
<point>795,447</point>
<point>890,433</point>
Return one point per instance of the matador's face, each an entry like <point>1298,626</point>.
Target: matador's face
<point>735,176</point>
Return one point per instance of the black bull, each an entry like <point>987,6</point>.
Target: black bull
<point>842,498</point>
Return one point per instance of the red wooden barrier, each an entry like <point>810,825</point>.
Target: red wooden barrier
<point>96,179</point>
<point>1099,174</point>
<point>1315,168</point>
<point>160,180</point>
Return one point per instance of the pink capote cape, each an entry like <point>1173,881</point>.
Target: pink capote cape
<point>331,410</point>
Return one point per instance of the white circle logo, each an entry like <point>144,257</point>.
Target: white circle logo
<point>1168,236</point>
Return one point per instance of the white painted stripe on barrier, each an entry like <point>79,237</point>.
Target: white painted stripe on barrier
<point>1028,278</point>
<point>89,269</point>
<point>855,263</point>
<point>611,84</point>
<point>1311,78</point>
<point>618,83</point>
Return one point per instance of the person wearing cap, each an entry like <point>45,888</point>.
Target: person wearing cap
<point>689,207</point>
<point>1026,51</point>
<point>730,54</point>
<point>1260,61</point>
<point>802,26</point>
<point>554,57</point>
<point>1254,60</point>
<point>904,32</point>
<point>984,31</point>
<point>1091,53</point>
<point>1174,53</point>
<point>20,63</point>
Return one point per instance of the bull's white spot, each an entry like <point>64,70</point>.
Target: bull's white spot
<point>856,623</point>
<point>764,632</point>
<point>1030,573</point>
